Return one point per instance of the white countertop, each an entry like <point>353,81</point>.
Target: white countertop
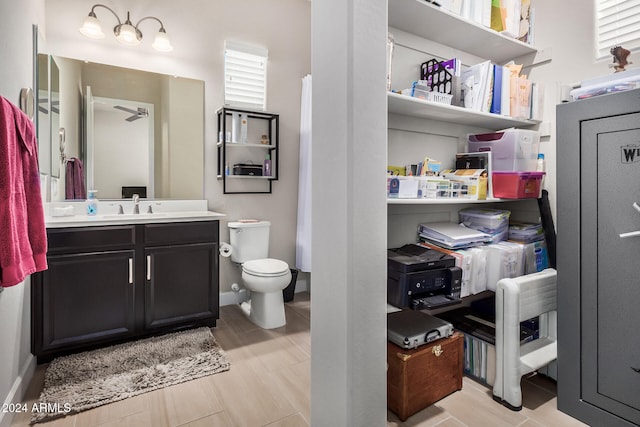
<point>163,211</point>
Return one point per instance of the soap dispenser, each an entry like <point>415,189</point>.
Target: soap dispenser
<point>92,203</point>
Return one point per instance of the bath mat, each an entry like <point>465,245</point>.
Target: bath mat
<point>86,380</point>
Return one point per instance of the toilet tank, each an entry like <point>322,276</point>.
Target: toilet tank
<point>249,240</point>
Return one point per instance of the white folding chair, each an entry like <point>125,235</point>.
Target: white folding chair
<point>519,299</point>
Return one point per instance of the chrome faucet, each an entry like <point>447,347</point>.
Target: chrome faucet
<point>136,204</point>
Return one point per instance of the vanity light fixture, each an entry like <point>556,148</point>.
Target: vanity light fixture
<point>126,33</point>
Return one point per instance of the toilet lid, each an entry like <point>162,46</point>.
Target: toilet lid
<point>265,267</point>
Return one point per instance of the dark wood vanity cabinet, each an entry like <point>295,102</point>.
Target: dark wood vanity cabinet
<point>181,264</point>
<point>113,283</point>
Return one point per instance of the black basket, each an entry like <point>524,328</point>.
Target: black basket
<point>439,78</point>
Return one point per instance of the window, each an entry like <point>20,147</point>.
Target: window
<point>617,23</point>
<point>245,76</point>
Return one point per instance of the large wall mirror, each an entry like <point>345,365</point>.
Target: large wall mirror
<point>43,116</point>
<point>48,114</point>
<point>130,128</point>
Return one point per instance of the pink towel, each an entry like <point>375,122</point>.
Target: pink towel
<point>23,234</point>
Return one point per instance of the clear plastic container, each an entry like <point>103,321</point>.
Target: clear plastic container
<point>491,221</point>
<point>513,150</point>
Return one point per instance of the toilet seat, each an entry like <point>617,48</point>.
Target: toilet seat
<point>266,267</point>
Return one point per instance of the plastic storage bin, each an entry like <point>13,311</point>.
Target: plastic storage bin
<point>491,221</point>
<point>513,150</point>
<point>517,185</point>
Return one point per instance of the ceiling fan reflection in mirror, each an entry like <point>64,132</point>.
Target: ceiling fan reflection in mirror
<point>140,113</point>
<point>43,103</point>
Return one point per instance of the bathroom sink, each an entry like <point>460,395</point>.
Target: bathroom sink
<point>134,216</point>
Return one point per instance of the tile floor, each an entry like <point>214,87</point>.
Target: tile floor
<point>269,385</point>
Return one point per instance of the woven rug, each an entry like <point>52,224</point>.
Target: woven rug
<point>86,380</point>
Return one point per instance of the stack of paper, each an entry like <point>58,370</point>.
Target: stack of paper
<point>477,86</point>
<point>452,235</point>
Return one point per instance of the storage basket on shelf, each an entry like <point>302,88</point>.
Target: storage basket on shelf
<point>422,90</point>
<point>441,98</point>
<point>517,185</point>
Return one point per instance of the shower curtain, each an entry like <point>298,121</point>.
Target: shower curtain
<point>303,238</point>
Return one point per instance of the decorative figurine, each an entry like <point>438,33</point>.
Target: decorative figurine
<point>264,139</point>
<point>620,55</point>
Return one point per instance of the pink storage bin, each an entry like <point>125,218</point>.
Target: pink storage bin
<point>517,185</point>
<point>513,150</point>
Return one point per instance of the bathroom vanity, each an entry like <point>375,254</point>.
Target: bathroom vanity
<point>114,278</point>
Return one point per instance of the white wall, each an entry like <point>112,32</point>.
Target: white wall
<point>16,361</point>
<point>565,29</point>
<point>198,30</point>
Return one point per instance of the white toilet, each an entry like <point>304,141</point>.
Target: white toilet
<point>264,277</point>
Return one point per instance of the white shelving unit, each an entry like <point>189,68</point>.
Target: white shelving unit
<point>414,123</point>
<point>416,107</point>
<point>434,23</point>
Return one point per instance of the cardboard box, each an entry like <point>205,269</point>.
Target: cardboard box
<point>467,183</point>
<point>402,187</point>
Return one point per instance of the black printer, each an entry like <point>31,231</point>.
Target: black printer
<point>422,278</point>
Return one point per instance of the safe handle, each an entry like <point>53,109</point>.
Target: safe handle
<point>632,233</point>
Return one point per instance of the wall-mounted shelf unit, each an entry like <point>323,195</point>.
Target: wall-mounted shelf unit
<point>237,146</point>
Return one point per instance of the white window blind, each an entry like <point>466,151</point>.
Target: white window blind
<point>617,23</point>
<point>245,76</point>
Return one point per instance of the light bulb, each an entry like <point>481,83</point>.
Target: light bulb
<point>161,42</point>
<point>128,35</point>
<point>91,27</point>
